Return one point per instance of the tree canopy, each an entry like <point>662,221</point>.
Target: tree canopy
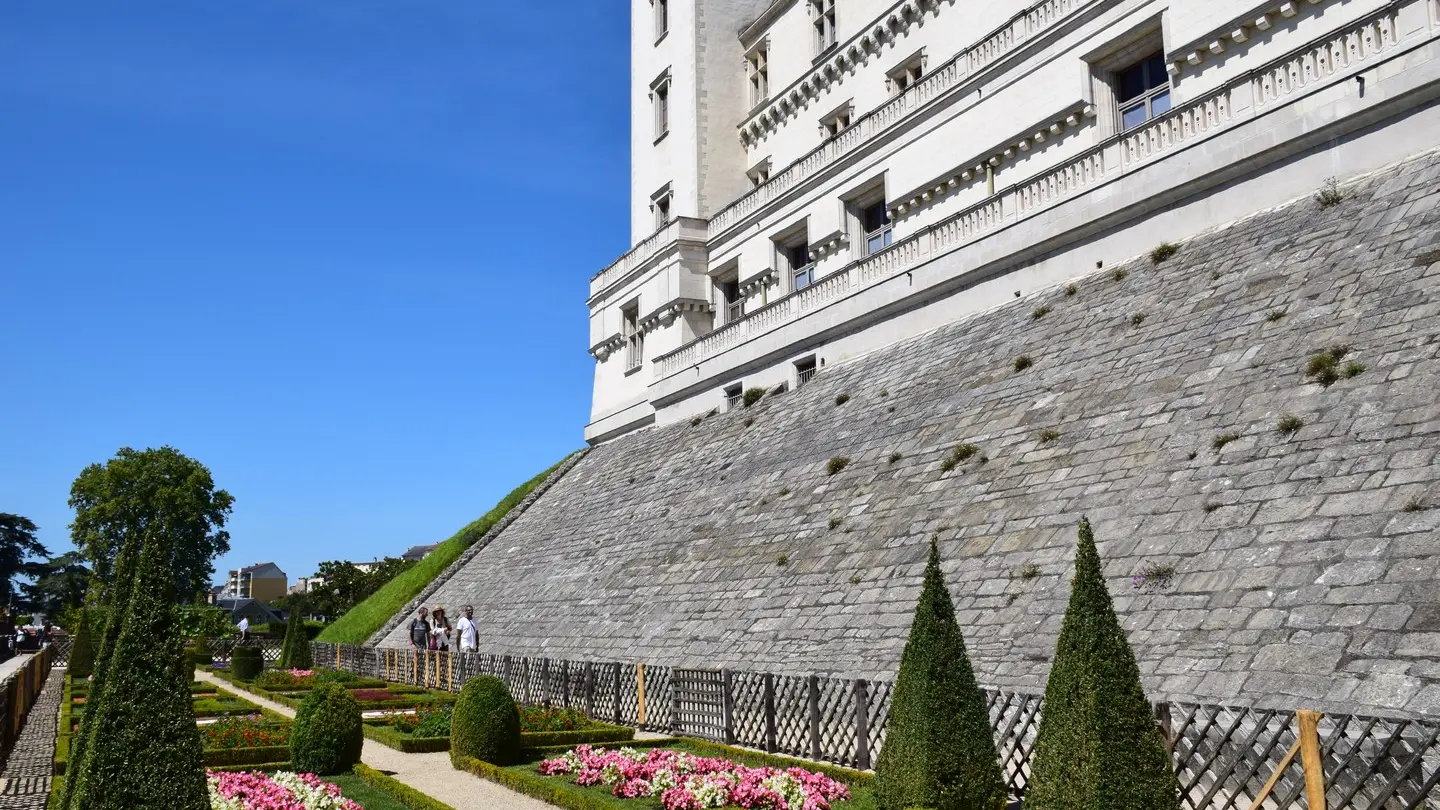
<point>59,588</point>
<point>347,586</point>
<point>159,490</point>
<point>17,548</point>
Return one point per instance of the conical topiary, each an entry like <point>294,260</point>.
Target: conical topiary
<point>939,749</point>
<point>1099,747</point>
<point>82,652</point>
<point>114,602</point>
<point>295,651</point>
<point>145,752</point>
<point>328,732</point>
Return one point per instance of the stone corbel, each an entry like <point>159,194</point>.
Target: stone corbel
<point>667,314</point>
<point>827,245</point>
<point>601,351</point>
<point>759,281</point>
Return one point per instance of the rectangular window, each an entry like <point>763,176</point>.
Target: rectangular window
<point>804,371</point>
<point>759,174</point>
<point>1143,91</point>
<point>733,396</point>
<point>823,14</point>
<point>662,212</point>
<point>758,66</point>
<point>660,96</point>
<point>906,74</point>
<point>836,122</point>
<point>662,17</point>
<point>802,269</point>
<point>634,338</point>
<point>877,227</point>
<point>733,301</point>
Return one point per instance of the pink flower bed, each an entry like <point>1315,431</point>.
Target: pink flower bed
<point>686,782</point>
<point>278,791</point>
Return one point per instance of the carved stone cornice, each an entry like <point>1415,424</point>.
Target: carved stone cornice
<point>1236,32</point>
<point>759,281</point>
<point>828,244</point>
<point>601,351</point>
<point>666,314</point>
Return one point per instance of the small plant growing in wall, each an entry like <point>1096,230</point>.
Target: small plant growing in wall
<point>696,421</point>
<point>1275,315</point>
<point>1289,425</point>
<point>1324,367</point>
<point>782,559</point>
<point>752,396</point>
<point>785,491</point>
<point>1029,572</point>
<point>1119,273</point>
<point>958,456</point>
<point>1223,439</point>
<point>836,464</point>
<point>1039,312</point>
<point>1164,252</point>
<point>1354,368</point>
<point>841,400</point>
<point>1023,362</point>
<point>896,456</point>
<point>1071,289</point>
<point>1415,504</point>
<point>749,420</point>
<point>1048,435</point>
<point>1329,194</point>
<point>854,579</point>
<point>884,392</point>
<point>835,523</point>
<point>1137,319</point>
<point>1211,506</point>
<point>1153,577</point>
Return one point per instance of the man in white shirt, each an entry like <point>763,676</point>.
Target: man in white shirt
<point>468,633</point>
<point>244,627</point>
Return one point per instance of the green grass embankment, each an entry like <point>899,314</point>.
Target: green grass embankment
<point>361,621</point>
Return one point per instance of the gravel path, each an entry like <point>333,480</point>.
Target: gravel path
<point>430,773</point>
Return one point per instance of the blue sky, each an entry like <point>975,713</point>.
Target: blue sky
<point>337,250</point>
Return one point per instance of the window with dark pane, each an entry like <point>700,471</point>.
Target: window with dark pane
<point>1143,90</point>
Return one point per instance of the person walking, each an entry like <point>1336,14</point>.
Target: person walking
<point>439,629</point>
<point>244,628</point>
<point>420,630</point>
<point>467,635</point>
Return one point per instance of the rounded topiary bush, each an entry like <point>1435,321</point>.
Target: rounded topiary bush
<point>202,651</point>
<point>246,662</point>
<point>327,735</point>
<point>187,665</point>
<point>485,724</point>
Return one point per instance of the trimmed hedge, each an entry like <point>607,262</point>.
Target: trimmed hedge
<point>486,723</point>
<point>387,736</point>
<point>203,656</point>
<point>363,620</point>
<point>939,751</point>
<point>1098,744</point>
<point>399,791</point>
<point>295,651</point>
<point>328,734</point>
<point>595,734</point>
<point>546,789</point>
<point>247,662</point>
<point>265,755</point>
<point>82,652</point>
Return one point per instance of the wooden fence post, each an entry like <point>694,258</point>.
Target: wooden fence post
<point>1310,758</point>
<point>1162,716</point>
<point>640,695</point>
<point>814,701</point>
<point>617,693</point>
<point>769,713</point>
<point>565,680</point>
<point>674,704</point>
<point>589,689</point>
<point>862,726</point>
<point>545,696</point>
<point>727,706</point>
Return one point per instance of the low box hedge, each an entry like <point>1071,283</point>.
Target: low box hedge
<point>592,735</point>
<point>401,792</point>
<point>62,753</point>
<point>549,751</point>
<point>544,788</point>
<point>388,736</point>
<point>264,767</point>
<point>222,757</point>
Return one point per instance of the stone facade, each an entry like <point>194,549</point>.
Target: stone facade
<point>1304,564</point>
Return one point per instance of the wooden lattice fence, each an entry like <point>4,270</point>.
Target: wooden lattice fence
<point>1226,758</point>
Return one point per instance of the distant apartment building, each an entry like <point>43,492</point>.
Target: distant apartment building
<point>307,584</point>
<point>417,553</point>
<point>262,581</point>
<point>812,180</point>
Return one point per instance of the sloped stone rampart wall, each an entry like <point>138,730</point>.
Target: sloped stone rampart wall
<point>1305,565</point>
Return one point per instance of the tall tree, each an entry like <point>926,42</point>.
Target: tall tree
<point>347,586</point>
<point>139,491</point>
<point>1098,747</point>
<point>17,546</point>
<point>59,587</point>
<point>145,751</point>
<point>939,750</point>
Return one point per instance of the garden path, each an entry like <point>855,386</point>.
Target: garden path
<point>431,774</point>
<point>25,784</point>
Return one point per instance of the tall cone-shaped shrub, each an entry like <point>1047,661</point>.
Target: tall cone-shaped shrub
<point>1099,747</point>
<point>295,651</point>
<point>145,753</point>
<point>939,750</point>
<point>112,617</point>
<point>82,653</point>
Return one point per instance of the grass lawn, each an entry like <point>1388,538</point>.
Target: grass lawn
<point>364,619</point>
<point>362,794</point>
<point>861,797</point>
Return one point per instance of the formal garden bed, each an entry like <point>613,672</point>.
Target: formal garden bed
<point>427,729</point>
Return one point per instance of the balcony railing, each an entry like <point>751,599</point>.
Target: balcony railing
<point>1020,29</point>
<point>638,255</point>
<point>1354,47</point>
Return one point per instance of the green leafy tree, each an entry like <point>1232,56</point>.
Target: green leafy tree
<point>146,750</point>
<point>59,587</point>
<point>939,750</point>
<point>1099,747</point>
<point>17,546</point>
<point>139,491</point>
<point>204,620</point>
<point>347,586</point>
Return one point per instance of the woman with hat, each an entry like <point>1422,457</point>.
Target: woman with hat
<point>439,629</point>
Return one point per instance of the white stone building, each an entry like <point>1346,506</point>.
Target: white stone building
<point>815,179</point>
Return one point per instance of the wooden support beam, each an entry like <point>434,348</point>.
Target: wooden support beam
<point>1311,759</point>
<point>640,694</point>
<point>1275,777</point>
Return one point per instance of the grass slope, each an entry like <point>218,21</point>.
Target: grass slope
<point>361,621</point>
